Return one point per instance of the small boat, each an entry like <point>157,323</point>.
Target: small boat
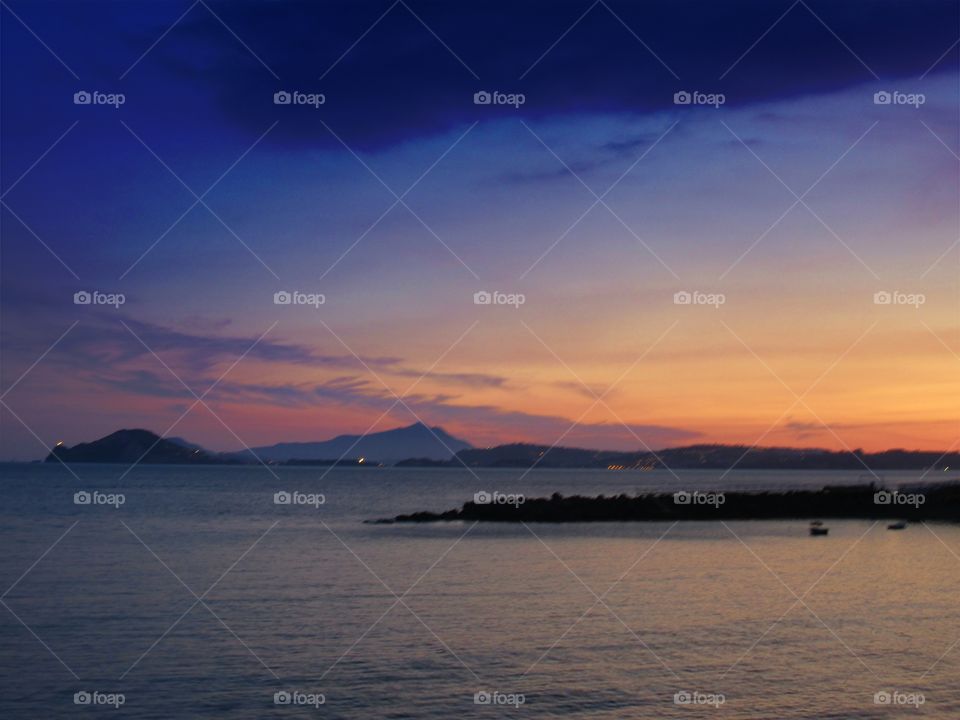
<point>818,530</point>
<point>896,526</point>
<point>816,523</point>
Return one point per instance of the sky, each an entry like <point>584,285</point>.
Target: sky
<point>787,201</point>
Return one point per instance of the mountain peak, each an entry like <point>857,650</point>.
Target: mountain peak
<point>422,426</point>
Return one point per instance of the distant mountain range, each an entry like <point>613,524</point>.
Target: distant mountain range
<point>709,457</point>
<point>388,447</point>
<point>420,446</point>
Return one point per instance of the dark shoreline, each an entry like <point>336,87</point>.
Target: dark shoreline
<point>860,502</point>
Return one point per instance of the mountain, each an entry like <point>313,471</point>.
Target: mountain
<point>129,446</point>
<point>387,447</point>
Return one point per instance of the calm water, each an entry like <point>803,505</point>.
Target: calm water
<point>582,621</point>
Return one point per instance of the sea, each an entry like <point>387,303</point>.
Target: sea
<point>256,592</point>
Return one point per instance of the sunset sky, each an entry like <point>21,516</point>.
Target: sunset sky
<point>797,201</point>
